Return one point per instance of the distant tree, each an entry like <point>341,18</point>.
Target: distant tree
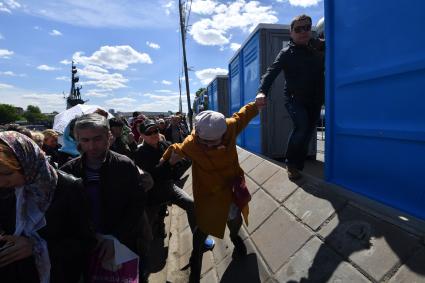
<point>8,114</point>
<point>33,114</point>
<point>199,91</point>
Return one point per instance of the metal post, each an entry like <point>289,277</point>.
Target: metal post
<point>186,75</point>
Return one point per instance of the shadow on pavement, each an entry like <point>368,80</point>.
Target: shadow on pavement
<point>242,270</point>
<point>376,246</point>
<point>157,255</point>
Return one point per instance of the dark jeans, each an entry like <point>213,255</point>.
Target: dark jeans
<point>171,195</point>
<point>199,238</point>
<point>304,116</point>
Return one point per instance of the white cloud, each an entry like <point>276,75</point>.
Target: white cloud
<point>239,14</point>
<point>169,7</point>
<point>165,82</point>
<point>65,62</point>
<point>204,34</point>
<point>8,5</point>
<point>1,36</point>
<point>101,78</point>
<point>55,33</point>
<point>37,28</point>
<point>47,68</point>
<point>48,102</point>
<point>99,93</point>
<point>4,53</point>
<point>235,46</point>
<point>153,45</point>
<point>3,8</point>
<point>203,7</point>
<point>12,4</point>
<point>63,78</point>
<point>304,3</point>
<point>207,75</point>
<point>123,103</point>
<point>113,57</point>
<point>100,13</point>
<point>8,73</point>
<point>5,86</point>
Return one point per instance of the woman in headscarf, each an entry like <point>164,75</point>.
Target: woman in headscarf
<point>33,193</point>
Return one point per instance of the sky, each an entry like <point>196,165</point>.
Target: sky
<point>128,52</point>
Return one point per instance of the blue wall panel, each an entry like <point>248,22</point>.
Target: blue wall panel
<point>375,69</point>
<point>235,90</point>
<point>251,81</point>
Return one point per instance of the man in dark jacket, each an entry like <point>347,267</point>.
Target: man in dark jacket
<point>164,191</point>
<point>111,182</point>
<point>127,146</point>
<point>303,66</point>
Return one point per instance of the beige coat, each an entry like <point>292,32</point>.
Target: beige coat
<point>213,171</point>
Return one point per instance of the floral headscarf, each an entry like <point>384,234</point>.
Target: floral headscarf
<point>34,197</point>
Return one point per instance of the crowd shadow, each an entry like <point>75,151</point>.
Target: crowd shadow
<point>242,270</point>
<point>158,254</point>
<point>356,231</point>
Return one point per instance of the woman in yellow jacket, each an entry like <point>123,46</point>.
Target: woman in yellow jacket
<point>212,149</point>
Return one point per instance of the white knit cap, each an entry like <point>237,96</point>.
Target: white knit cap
<point>210,125</point>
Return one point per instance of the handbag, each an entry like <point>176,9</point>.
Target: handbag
<point>240,193</point>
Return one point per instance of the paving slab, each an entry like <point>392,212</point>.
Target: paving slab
<point>279,238</point>
<point>222,266</point>
<point>185,241</point>
<point>184,260</point>
<point>316,262</point>
<point>263,171</point>
<point>250,163</point>
<point>372,244</point>
<point>313,205</point>
<point>209,277</point>
<point>243,154</point>
<point>207,262</point>
<point>252,186</point>
<point>263,272</point>
<point>279,186</point>
<point>183,223</point>
<point>413,271</point>
<point>223,247</point>
<point>261,206</point>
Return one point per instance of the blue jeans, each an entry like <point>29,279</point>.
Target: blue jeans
<point>304,116</point>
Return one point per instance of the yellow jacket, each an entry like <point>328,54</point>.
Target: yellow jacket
<point>213,171</point>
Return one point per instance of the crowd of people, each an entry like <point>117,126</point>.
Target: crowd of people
<point>61,204</point>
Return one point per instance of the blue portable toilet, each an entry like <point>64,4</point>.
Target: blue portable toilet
<point>217,91</point>
<point>267,133</point>
<point>375,124</point>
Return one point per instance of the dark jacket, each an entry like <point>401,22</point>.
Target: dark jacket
<point>147,158</point>
<point>52,152</point>
<point>119,146</point>
<point>303,67</point>
<point>121,196</point>
<point>68,234</point>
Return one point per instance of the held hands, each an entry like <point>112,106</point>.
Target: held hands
<point>20,248</point>
<point>260,100</point>
<point>174,158</point>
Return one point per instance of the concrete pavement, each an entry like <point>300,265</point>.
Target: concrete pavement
<point>306,231</point>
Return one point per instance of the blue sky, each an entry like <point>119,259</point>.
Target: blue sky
<point>128,52</point>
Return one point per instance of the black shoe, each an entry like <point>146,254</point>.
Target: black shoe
<point>240,249</point>
<point>293,173</point>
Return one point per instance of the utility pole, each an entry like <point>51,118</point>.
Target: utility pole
<point>186,75</point>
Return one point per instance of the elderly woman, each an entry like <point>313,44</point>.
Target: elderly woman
<point>215,167</point>
<point>33,193</point>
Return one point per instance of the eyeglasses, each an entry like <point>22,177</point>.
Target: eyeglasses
<point>152,132</point>
<point>300,29</point>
